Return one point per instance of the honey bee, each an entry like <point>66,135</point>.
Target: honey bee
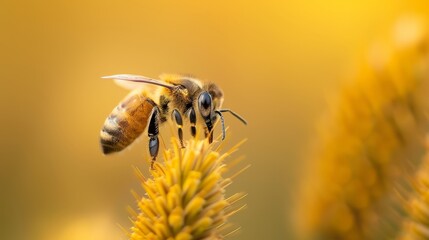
<point>153,102</point>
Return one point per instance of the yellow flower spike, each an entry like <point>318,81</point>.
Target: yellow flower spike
<point>136,236</point>
<point>176,219</point>
<point>226,182</point>
<point>374,132</point>
<point>142,228</point>
<point>193,208</point>
<point>187,165</point>
<point>161,188</point>
<point>174,197</point>
<point>218,206</point>
<point>162,231</point>
<point>209,183</point>
<point>173,177</point>
<point>201,225</point>
<point>208,162</point>
<point>191,184</point>
<point>149,188</point>
<point>185,198</point>
<point>184,236</point>
<point>416,226</point>
<point>235,198</point>
<point>161,208</point>
<point>144,207</point>
<point>213,196</point>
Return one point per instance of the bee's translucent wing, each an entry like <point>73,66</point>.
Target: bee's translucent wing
<point>130,81</point>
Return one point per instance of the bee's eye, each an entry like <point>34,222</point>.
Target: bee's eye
<point>205,104</point>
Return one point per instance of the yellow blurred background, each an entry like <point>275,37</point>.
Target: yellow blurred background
<point>277,61</point>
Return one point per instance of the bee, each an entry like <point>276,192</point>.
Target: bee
<point>153,102</point>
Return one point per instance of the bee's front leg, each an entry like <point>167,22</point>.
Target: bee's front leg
<point>177,118</point>
<point>208,130</point>
<point>153,132</point>
<point>208,133</point>
<point>193,120</point>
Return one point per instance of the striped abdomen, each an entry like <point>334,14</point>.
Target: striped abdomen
<point>126,122</point>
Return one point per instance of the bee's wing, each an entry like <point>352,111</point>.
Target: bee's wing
<point>130,81</point>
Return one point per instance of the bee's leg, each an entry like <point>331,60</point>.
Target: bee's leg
<point>208,130</point>
<point>153,131</point>
<point>177,118</point>
<point>193,120</point>
<point>222,121</point>
<point>208,133</point>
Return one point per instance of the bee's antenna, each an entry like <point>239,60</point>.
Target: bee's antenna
<point>234,114</point>
<point>223,123</point>
<point>140,79</point>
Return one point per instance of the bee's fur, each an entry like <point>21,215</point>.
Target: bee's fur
<point>130,118</point>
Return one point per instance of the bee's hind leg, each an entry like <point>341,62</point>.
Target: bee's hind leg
<point>177,118</point>
<point>153,132</point>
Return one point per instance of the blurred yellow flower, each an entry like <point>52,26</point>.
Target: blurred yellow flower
<point>375,130</point>
<point>185,198</point>
<point>417,225</point>
<point>92,226</point>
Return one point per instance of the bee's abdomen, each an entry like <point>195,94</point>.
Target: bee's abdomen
<point>126,122</point>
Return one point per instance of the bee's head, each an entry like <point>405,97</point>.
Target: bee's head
<point>209,100</point>
<point>205,104</point>
<point>205,107</point>
<point>209,104</point>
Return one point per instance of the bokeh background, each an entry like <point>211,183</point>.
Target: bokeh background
<point>278,63</point>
